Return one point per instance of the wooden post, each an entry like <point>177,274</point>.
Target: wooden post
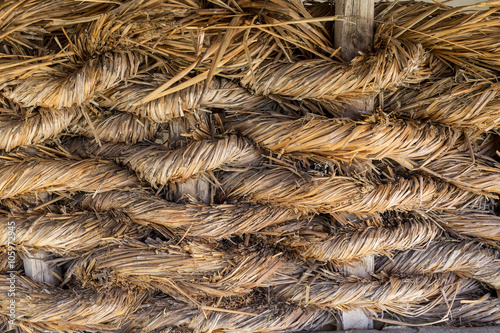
<point>36,267</point>
<point>352,35</point>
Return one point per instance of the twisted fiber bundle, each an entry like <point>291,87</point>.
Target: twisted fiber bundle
<point>346,139</point>
<point>220,93</point>
<point>40,175</point>
<point>214,221</point>
<point>67,234</point>
<point>253,318</point>
<point>118,127</point>
<point>467,259</point>
<point>398,63</point>
<point>38,127</point>
<point>463,36</point>
<point>406,297</point>
<point>342,246</point>
<point>160,165</point>
<point>58,89</point>
<point>279,186</point>
<point>195,270</point>
<point>412,144</point>
<point>42,307</point>
<point>472,103</point>
<point>471,222</point>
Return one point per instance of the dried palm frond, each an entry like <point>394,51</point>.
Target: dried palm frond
<point>67,234</point>
<point>471,222</point>
<point>306,193</point>
<point>397,64</point>
<point>40,175</point>
<point>35,128</point>
<point>472,104</point>
<point>468,259</point>
<point>118,127</point>
<point>58,89</point>
<point>198,220</point>
<point>42,307</point>
<point>406,297</point>
<point>220,93</point>
<point>160,165</point>
<point>341,245</point>
<point>462,36</point>
<point>415,145</point>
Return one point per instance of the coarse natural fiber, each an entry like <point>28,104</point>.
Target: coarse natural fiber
<point>416,146</point>
<point>468,259</point>
<point>308,193</point>
<point>194,220</point>
<point>160,165</point>
<point>40,175</point>
<point>68,234</point>
<point>341,246</point>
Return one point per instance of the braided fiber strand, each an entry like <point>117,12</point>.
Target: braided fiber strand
<point>160,165</point>
<point>279,186</point>
<point>198,220</point>
<point>40,175</point>
<point>467,259</point>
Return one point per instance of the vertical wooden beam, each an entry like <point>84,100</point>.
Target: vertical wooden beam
<point>36,267</point>
<point>352,35</point>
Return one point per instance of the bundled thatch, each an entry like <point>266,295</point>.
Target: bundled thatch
<point>414,145</point>
<point>214,221</point>
<point>351,245</point>
<point>160,165</point>
<point>470,104</point>
<point>307,193</point>
<point>68,233</point>
<point>468,259</point>
<point>38,175</point>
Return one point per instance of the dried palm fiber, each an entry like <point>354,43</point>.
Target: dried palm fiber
<point>462,36</point>
<point>398,64</point>
<point>220,93</point>
<point>409,297</point>
<point>58,88</point>
<point>341,245</point>
<point>116,127</point>
<point>34,128</point>
<point>478,312</point>
<point>70,233</point>
<point>471,103</point>
<point>413,145</point>
<point>469,259</point>
<point>42,307</point>
<point>18,177</point>
<point>160,165</point>
<point>247,319</point>
<point>202,271</point>
<point>197,220</point>
<point>307,193</point>
<point>470,222</point>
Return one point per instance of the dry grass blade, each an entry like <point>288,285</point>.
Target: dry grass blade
<point>38,175</point>
<point>161,166</point>
<point>468,259</point>
<point>282,187</point>
<point>213,221</point>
